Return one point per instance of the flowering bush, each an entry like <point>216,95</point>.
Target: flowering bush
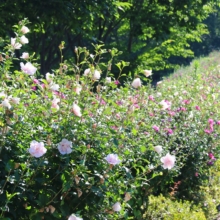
<point>75,144</point>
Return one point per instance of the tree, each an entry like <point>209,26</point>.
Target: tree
<point>148,31</point>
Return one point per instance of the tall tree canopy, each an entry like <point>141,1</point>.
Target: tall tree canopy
<point>149,32</point>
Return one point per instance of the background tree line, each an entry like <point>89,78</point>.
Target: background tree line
<point>153,34</point>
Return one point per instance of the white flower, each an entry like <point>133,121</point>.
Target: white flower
<point>96,75</point>
<point>190,115</point>
<point>117,207</point>
<point>78,89</point>
<point>49,77</point>
<point>54,104</point>
<point>73,217</point>
<point>147,73</point>
<point>6,103</point>
<point>15,44</point>
<point>136,83</point>
<point>2,94</point>
<point>54,87</point>
<point>15,100</point>
<point>28,68</point>
<point>86,72</point>
<point>108,79</point>
<point>25,55</point>
<point>76,110</point>
<point>165,104</point>
<point>158,149</point>
<point>213,96</point>
<point>24,40</point>
<point>25,30</point>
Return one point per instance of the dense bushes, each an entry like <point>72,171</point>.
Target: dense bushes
<point>164,208</point>
<point>78,142</point>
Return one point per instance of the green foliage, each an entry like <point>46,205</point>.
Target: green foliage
<point>149,32</point>
<point>160,207</point>
<point>210,193</point>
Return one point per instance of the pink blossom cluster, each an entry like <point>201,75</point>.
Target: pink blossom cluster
<point>211,128</point>
<point>37,149</point>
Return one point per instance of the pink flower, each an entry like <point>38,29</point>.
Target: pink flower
<point>136,83</point>
<point>208,131</point>
<point>211,156</point>
<point>150,97</point>
<point>116,82</point>
<point>171,113</point>
<point>165,104</point>
<point>37,149</point>
<point>196,174</point>
<point>65,147</point>
<point>25,30</point>
<point>168,161</point>
<point>158,149</point>
<point>151,114</point>
<point>15,44</point>
<point>197,108</point>
<point>76,110</point>
<point>112,159</point>
<point>102,102</point>
<point>117,207</point>
<point>78,89</point>
<point>73,217</point>
<point>24,40</point>
<point>60,94</point>
<point>119,102</point>
<point>25,55</point>
<point>36,81</point>
<point>218,122</point>
<point>28,68</point>
<point>186,102</point>
<point>157,129</point>
<point>211,121</point>
<point>169,131</point>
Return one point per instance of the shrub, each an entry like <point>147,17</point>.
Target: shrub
<point>160,207</point>
<point>76,142</point>
<point>210,193</point>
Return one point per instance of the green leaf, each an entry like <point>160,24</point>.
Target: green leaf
<point>143,149</point>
